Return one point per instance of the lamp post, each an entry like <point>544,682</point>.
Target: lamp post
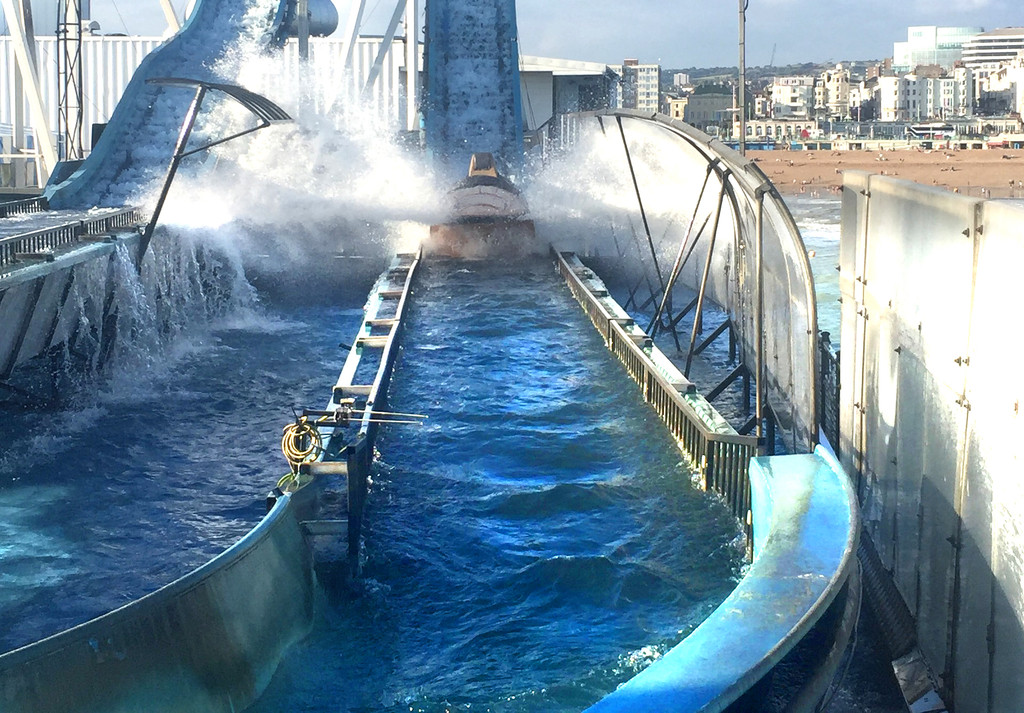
<point>742,108</point>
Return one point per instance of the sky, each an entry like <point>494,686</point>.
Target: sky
<point>676,33</point>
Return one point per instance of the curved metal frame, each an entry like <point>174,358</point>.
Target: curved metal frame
<point>751,194</point>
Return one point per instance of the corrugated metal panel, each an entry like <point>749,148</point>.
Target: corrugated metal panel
<point>108,64</point>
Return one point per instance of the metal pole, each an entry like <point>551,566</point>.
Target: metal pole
<point>742,108</point>
<point>303,29</point>
<point>704,279</point>
<point>385,47</point>
<point>652,329</point>
<point>172,20</point>
<point>759,322</point>
<point>412,64</point>
<point>179,149</point>
<point>351,36</point>
<point>640,201</point>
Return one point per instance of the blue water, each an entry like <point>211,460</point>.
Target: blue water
<point>153,472</point>
<point>536,542</point>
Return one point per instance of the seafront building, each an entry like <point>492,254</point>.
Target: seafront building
<point>639,86</point>
<point>832,94</point>
<point>792,97</point>
<point>985,51</point>
<point>929,44</point>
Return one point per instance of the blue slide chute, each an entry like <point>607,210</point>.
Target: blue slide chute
<point>473,100</point>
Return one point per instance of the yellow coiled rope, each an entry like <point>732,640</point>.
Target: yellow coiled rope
<point>300,444</point>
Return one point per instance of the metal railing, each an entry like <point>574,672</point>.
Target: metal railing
<point>23,206</point>
<point>50,240</point>
<point>720,458</point>
<point>828,390</point>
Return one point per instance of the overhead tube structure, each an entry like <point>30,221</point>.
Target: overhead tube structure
<point>262,108</point>
<point>747,287</point>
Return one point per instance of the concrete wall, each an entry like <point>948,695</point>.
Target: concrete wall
<point>209,641</point>
<point>931,420</point>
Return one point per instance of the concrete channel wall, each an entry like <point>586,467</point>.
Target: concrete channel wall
<point>209,641</point>
<point>932,424</point>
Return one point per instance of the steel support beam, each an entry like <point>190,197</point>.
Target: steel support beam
<point>302,21</point>
<point>704,279</point>
<point>726,382</point>
<point>759,317</point>
<point>351,36</point>
<point>385,46</point>
<point>70,105</point>
<point>186,131</point>
<point>714,335</point>
<point>640,202</point>
<point>412,65</point>
<point>26,322</point>
<point>678,265</point>
<point>24,52</point>
<point>172,20</point>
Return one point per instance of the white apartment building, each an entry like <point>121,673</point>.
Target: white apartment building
<point>889,92</point>
<point>913,98</point>
<point>1008,79</point>
<point>929,44</point>
<point>639,86</point>
<point>680,79</point>
<point>946,97</point>
<point>986,51</point>
<point>832,94</point>
<point>859,96</point>
<point>792,97</point>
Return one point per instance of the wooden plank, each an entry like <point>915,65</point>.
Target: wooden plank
<point>324,467</point>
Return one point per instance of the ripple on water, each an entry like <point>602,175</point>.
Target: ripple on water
<point>536,542</point>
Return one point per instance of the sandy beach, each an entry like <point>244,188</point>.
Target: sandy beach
<point>996,173</point>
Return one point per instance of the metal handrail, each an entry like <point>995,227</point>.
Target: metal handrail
<point>37,204</point>
<point>720,457</point>
<point>51,239</point>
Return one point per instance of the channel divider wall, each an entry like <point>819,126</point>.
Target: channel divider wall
<point>208,641</point>
<point>719,455</point>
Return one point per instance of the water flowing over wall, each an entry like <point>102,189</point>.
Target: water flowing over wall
<point>684,179</point>
<point>472,87</point>
<point>103,313</point>
<point>931,420</point>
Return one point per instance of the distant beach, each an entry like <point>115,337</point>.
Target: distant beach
<point>990,173</point>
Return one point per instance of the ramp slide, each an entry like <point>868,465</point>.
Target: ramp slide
<point>137,144</point>
<point>473,101</point>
